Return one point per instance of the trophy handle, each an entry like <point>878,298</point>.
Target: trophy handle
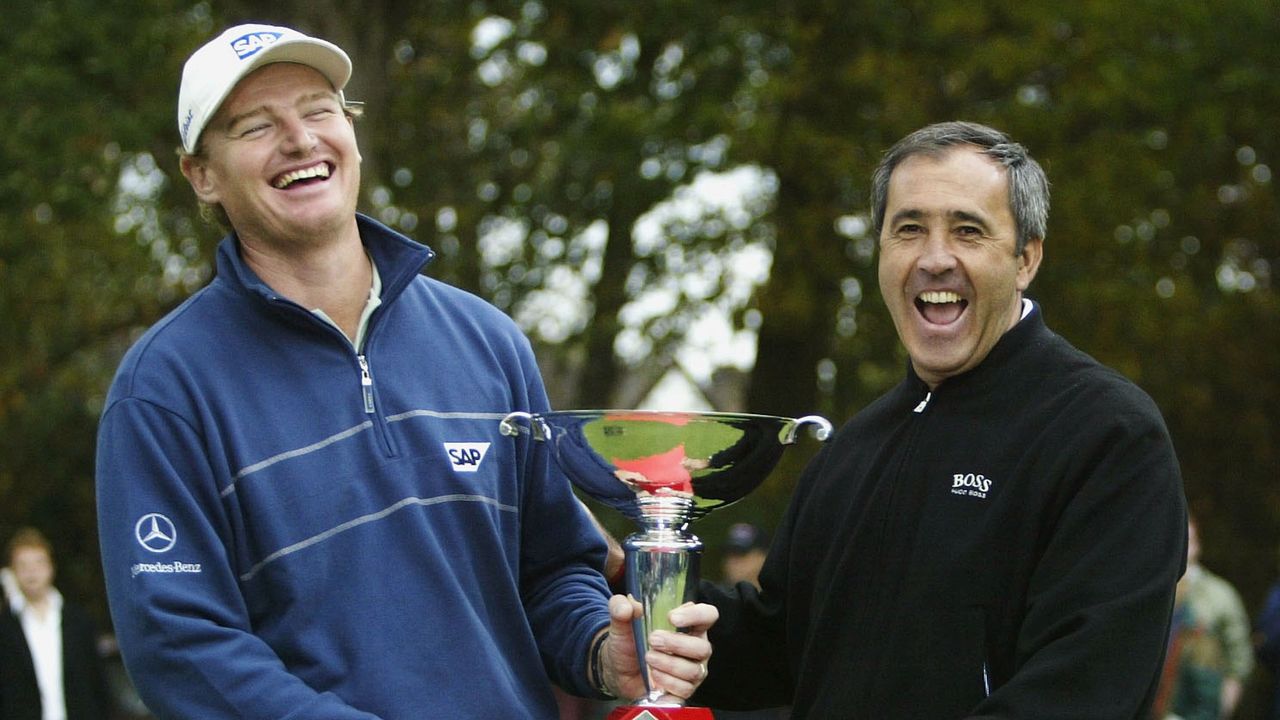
<point>511,427</point>
<point>821,431</point>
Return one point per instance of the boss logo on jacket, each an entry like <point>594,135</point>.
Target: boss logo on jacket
<point>971,484</point>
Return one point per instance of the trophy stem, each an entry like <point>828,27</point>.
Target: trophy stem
<point>662,573</point>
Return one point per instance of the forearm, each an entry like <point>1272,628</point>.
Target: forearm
<point>596,676</point>
<point>563,591</point>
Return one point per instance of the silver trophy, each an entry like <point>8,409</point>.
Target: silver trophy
<point>663,470</point>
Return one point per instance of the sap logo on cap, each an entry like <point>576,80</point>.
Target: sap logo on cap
<point>155,532</point>
<point>246,45</point>
<point>466,456</point>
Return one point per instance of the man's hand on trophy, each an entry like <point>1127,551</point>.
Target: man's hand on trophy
<point>677,660</point>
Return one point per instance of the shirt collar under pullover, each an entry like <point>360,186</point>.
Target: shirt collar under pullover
<point>1029,330</point>
<point>397,258</point>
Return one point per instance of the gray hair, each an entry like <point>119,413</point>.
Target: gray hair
<point>1028,186</point>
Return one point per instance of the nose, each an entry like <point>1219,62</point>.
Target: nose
<point>937,256</point>
<point>298,138</point>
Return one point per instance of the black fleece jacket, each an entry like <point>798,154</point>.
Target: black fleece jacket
<point>1004,547</point>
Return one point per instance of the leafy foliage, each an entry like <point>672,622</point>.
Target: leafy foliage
<point>83,109</point>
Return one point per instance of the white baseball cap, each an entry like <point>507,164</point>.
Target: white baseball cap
<point>212,71</point>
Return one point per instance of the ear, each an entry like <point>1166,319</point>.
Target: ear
<point>1029,262</point>
<point>201,177</point>
<point>351,120</point>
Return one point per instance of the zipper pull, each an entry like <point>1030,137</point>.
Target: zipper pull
<point>923,403</point>
<point>366,384</point>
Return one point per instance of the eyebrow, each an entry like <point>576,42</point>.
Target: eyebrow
<point>968,217</point>
<point>953,215</point>
<point>908,214</point>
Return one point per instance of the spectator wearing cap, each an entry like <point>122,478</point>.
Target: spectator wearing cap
<point>745,548</point>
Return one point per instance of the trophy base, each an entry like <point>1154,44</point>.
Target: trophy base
<point>640,712</point>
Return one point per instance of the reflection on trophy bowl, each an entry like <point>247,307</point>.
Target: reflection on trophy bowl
<point>665,464</point>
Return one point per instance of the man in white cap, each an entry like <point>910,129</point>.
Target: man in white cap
<point>306,507</point>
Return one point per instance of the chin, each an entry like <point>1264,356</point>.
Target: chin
<point>938,367</point>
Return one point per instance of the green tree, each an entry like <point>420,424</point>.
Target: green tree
<point>82,263</point>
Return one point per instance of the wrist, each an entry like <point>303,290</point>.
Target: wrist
<point>596,665</point>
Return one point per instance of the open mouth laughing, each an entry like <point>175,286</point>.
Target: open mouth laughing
<point>940,307</point>
<point>303,176</point>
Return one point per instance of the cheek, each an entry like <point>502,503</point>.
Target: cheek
<point>891,274</point>
<point>884,265</point>
<point>31,576</point>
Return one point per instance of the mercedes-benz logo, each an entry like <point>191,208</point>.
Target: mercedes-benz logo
<point>155,532</point>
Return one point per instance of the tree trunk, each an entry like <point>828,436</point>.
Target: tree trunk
<point>798,305</point>
<point>601,370</point>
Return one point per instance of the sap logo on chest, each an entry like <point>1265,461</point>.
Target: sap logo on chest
<point>971,484</point>
<point>466,456</point>
<point>246,45</point>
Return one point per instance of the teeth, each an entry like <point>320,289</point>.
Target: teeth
<point>939,296</point>
<point>321,170</point>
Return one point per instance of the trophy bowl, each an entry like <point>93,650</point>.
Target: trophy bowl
<point>663,469</point>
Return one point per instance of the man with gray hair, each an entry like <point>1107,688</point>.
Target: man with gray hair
<point>997,536</point>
